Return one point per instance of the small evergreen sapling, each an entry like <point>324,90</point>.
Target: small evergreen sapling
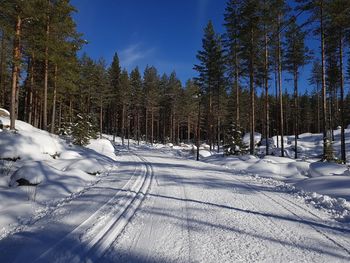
<point>83,130</point>
<point>234,142</point>
<point>329,152</point>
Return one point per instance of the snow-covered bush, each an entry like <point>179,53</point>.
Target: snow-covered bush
<point>234,143</point>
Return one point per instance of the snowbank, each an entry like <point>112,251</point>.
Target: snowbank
<point>257,138</point>
<point>48,169</point>
<point>102,146</point>
<point>28,143</point>
<point>326,169</point>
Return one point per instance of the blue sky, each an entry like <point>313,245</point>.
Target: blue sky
<point>166,34</point>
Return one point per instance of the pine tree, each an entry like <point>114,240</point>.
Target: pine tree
<point>14,15</point>
<point>136,100</point>
<point>296,55</point>
<point>151,98</point>
<point>233,51</point>
<point>316,79</point>
<point>317,10</point>
<point>250,37</point>
<point>124,102</point>
<point>339,11</point>
<point>190,106</point>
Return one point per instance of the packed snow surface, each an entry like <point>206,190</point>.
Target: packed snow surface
<point>155,203</point>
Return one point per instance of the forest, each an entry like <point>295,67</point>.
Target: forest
<point>48,82</point>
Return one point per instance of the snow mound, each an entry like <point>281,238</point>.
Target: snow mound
<point>102,146</point>
<point>4,113</point>
<point>339,207</point>
<point>204,153</point>
<point>325,169</point>
<point>28,143</point>
<point>88,165</point>
<point>34,173</point>
<point>70,155</point>
<point>257,138</point>
<point>277,160</point>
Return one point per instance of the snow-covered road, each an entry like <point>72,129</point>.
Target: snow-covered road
<point>157,208</point>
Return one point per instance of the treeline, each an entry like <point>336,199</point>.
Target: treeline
<point>44,82</point>
<point>240,71</point>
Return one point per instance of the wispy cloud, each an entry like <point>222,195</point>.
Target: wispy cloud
<point>202,8</point>
<point>134,54</point>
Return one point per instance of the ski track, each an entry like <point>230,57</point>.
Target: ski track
<point>92,236</point>
<point>250,223</point>
<point>158,208</point>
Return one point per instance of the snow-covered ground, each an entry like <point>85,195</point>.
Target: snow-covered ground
<point>157,204</point>
<point>53,170</point>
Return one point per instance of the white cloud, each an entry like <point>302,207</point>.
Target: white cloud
<point>133,54</point>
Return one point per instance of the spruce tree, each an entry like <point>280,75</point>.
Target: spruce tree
<point>114,78</point>
<point>234,144</point>
<point>211,76</point>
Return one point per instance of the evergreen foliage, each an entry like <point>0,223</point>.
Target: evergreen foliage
<point>43,80</point>
<point>83,129</point>
<point>234,144</point>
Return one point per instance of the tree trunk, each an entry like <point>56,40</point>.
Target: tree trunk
<point>210,120</point>
<point>178,132</point>
<point>324,95</point>
<point>318,109</point>
<point>296,113</point>
<point>252,94</point>
<point>101,116</point>
<point>237,90</point>
<point>53,117</point>
<point>31,88</point>
<point>123,123</point>
<point>342,115</point>
<point>70,109</point>
<point>46,75</point>
<point>276,98</point>
<point>35,107</point>
<point>15,71</point>
<point>279,62</point>
<point>2,70</point>
<point>146,125</point>
<point>152,125</point>
<point>60,116</point>
<point>171,126</point>
<point>138,127</point>
<point>267,120</point>
<point>188,130</point>
<point>218,135</point>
